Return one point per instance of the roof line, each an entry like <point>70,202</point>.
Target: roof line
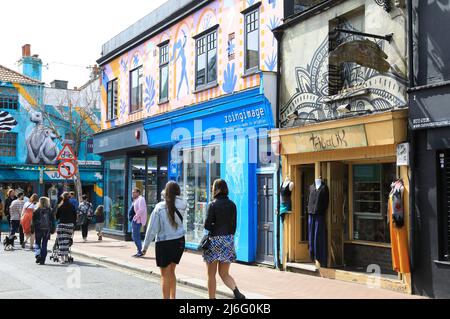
<point>22,75</point>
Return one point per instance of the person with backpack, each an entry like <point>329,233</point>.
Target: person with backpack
<point>166,226</point>
<point>42,226</point>
<point>85,214</point>
<point>26,219</point>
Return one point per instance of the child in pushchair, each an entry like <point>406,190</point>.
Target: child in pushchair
<point>55,251</point>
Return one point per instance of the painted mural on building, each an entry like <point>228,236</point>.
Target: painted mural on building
<point>7,122</point>
<point>41,146</point>
<point>227,17</point>
<point>364,88</point>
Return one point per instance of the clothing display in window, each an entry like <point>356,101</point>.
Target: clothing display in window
<point>286,192</point>
<point>399,231</point>
<point>317,208</point>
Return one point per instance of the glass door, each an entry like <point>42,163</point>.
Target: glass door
<point>152,185</point>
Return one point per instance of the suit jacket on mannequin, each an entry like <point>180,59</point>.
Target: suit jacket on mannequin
<point>318,200</point>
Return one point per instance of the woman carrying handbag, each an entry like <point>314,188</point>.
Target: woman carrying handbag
<point>219,243</point>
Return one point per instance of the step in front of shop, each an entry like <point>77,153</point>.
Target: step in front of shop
<point>349,276</point>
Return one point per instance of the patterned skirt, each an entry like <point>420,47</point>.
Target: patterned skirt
<point>221,249</point>
<point>64,234</point>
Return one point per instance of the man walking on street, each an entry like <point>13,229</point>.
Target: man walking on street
<point>15,211</point>
<point>73,200</point>
<point>138,217</point>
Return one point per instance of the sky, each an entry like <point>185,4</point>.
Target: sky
<point>67,35</point>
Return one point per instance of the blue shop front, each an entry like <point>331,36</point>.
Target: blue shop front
<point>224,138</point>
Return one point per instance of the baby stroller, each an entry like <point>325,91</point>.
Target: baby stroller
<point>55,251</point>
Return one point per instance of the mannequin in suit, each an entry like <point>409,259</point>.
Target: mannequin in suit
<point>317,208</point>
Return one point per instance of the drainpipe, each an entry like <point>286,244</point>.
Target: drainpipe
<point>278,33</point>
<point>412,197</point>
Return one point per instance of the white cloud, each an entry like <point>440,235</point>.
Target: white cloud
<point>67,35</point>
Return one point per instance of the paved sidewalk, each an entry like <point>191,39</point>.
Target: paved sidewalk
<point>254,281</point>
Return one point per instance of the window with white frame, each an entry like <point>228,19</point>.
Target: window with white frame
<point>136,88</point>
<point>112,102</point>
<point>252,40</point>
<point>206,60</point>
<point>164,73</point>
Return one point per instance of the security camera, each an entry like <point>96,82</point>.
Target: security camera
<point>344,108</point>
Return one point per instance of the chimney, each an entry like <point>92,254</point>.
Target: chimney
<point>31,65</point>
<point>26,50</point>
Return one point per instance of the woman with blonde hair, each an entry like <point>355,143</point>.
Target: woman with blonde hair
<point>221,224</point>
<point>42,226</point>
<point>26,218</point>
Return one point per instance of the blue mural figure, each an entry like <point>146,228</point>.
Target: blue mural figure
<point>181,54</point>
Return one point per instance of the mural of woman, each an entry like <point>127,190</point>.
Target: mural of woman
<point>180,46</point>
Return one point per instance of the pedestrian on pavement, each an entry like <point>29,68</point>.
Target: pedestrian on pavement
<point>67,217</point>
<point>99,221</point>
<point>221,224</point>
<point>11,196</point>
<point>166,226</point>
<point>73,200</point>
<point>42,227</point>
<point>85,213</point>
<point>26,219</point>
<point>138,217</point>
<point>15,211</point>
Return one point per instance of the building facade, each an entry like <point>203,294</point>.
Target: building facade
<point>188,94</point>
<point>343,114</point>
<point>429,98</point>
<point>33,127</point>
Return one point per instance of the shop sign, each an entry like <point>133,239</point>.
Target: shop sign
<point>332,139</point>
<point>403,154</point>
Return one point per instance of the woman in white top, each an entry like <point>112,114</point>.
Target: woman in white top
<point>26,218</point>
<point>166,227</point>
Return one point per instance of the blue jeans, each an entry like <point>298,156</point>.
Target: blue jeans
<point>41,245</point>
<point>136,235</point>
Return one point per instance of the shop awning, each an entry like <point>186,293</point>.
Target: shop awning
<point>7,175</point>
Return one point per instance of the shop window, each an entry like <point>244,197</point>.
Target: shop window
<point>8,144</point>
<point>112,100</point>
<point>114,199</point>
<point>164,73</point>
<point>444,205</point>
<point>9,99</point>
<point>206,65</point>
<point>201,167</point>
<point>136,88</point>
<point>252,40</point>
<point>371,187</point>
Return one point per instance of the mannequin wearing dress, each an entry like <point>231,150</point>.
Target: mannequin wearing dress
<point>286,192</point>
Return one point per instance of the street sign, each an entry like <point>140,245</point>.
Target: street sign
<point>66,154</point>
<point>67,169</point>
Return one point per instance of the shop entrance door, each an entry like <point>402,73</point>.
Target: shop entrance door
<point>305,174</point>
<point>336,218</point>
<point>265,219</point>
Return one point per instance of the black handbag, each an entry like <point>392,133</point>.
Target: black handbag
<point>205,243</point>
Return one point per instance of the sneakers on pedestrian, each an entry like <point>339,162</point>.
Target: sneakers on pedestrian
<point>84,239</point>
<point>38,259</point>
<point>23,245</point>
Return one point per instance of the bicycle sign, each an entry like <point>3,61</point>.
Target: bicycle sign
<point>67,169</point>
<point>66,154</point>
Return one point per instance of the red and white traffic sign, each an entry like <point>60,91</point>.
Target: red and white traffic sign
<point>67,169</point>
<point>66,154</point>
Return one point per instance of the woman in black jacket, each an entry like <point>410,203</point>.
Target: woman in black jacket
<point>67,217</point>
<point>221,224</point>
